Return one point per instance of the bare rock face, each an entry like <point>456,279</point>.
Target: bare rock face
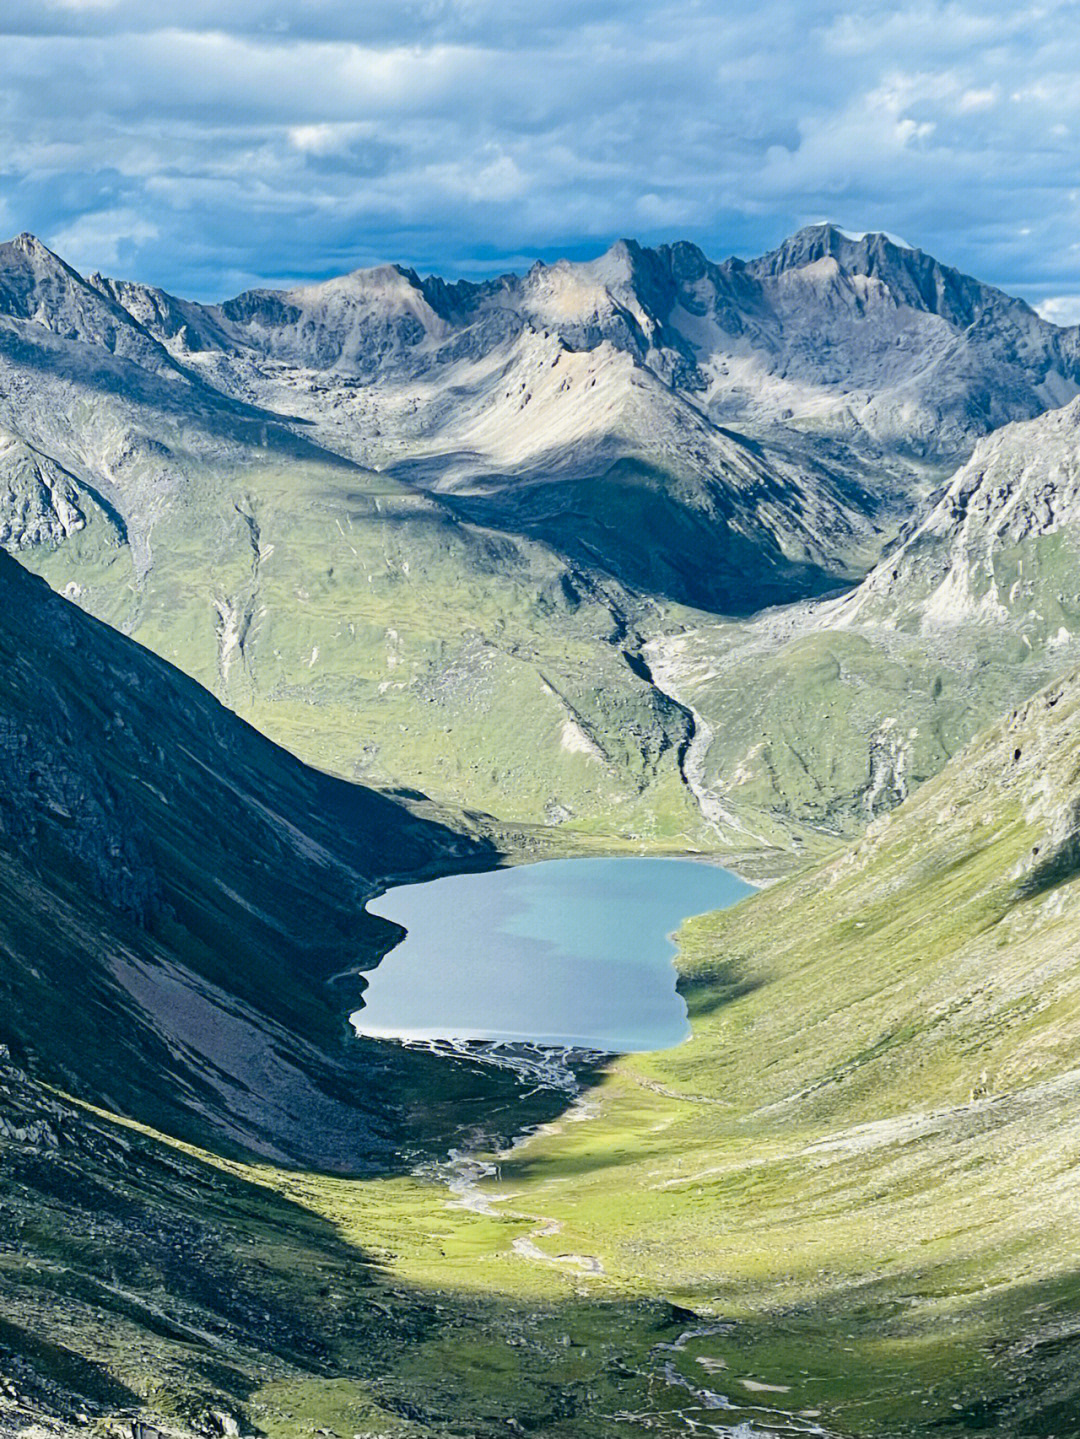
<point>36,286</point>
<point>999,549</point>
<point>39,503</point>
<point>791,411</point>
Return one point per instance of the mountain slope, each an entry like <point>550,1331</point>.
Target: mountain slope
<point>1000,548</point>
<point>86,389</point>
<point>537,395</point>
<point>872,1135</point>
<point>830,343</point>
<point>835,711</point>
<point>858,369</point>
<point>198,887</point>
<point>367,626</point>
<point>898,346</point>
<point>862,370</point>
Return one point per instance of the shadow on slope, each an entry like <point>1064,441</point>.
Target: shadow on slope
<point>688,542</point>
<point>175,893</point>
<point>148,1279</point>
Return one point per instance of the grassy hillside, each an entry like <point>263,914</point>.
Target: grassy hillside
<point>377,635</point>
<point>865,1156</point>
<point>815,728</point>
<point>845,1207</point>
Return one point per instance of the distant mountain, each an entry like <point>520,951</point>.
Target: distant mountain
<point>838,354</point>
<point>87,391</point>
<point>37,286</point>
<point>541,403</point>
<point>856,371</point>
<point>425,531</point>
<point>827,335</point>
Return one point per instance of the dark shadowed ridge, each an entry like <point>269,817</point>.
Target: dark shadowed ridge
<point>175,892</point>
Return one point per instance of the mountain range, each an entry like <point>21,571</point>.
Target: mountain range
<point>428,533</point>
<point>326,589</point>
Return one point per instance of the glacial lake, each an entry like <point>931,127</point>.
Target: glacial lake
<point>574,952</point>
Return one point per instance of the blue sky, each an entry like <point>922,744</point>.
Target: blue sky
<point>209,146</point>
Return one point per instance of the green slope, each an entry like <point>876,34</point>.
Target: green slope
<point>348,615</point>
<point>866,1154</point>
<point>377,635</point>
<point>177,893</point>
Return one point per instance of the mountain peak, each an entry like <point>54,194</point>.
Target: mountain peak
<point>29,247</point>
<point>873,237</point>
<point>39,287</point>
<point>852,248</point>
<point>28,243</point>
<point>913,278</point>
<point>622,249</point>
<point>830,229</point>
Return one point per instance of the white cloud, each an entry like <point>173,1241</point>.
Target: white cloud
<point>102,237</point>
<point>1061,309</point>
<point>972,101</point>
<point>324,140</point>
<point>499,178</point>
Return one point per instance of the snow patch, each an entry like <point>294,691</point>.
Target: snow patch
<point>858,235</point>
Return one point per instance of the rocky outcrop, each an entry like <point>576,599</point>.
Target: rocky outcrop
<point>1000,547</point>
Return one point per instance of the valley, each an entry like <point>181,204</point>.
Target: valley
<point>389,581</point>
<point>424,533</point>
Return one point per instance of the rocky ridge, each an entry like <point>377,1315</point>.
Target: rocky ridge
<point>838,709</point>
<point>559,470</point>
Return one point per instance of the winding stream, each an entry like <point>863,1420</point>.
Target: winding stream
<point>545,970</point>
<point>705,1411</point>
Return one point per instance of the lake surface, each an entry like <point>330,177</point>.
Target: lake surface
<point>572,952</point>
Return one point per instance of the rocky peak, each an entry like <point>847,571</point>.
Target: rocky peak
<point>28,244</point>
<point>912,277</point>
<point>38,287</point>
<point>31,275</point>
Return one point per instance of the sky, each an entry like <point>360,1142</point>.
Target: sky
<point>213,145</point>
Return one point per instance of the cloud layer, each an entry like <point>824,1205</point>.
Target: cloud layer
<point>210,146</point>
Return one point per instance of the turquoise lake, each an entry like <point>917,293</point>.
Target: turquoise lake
<point>565,952</point>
